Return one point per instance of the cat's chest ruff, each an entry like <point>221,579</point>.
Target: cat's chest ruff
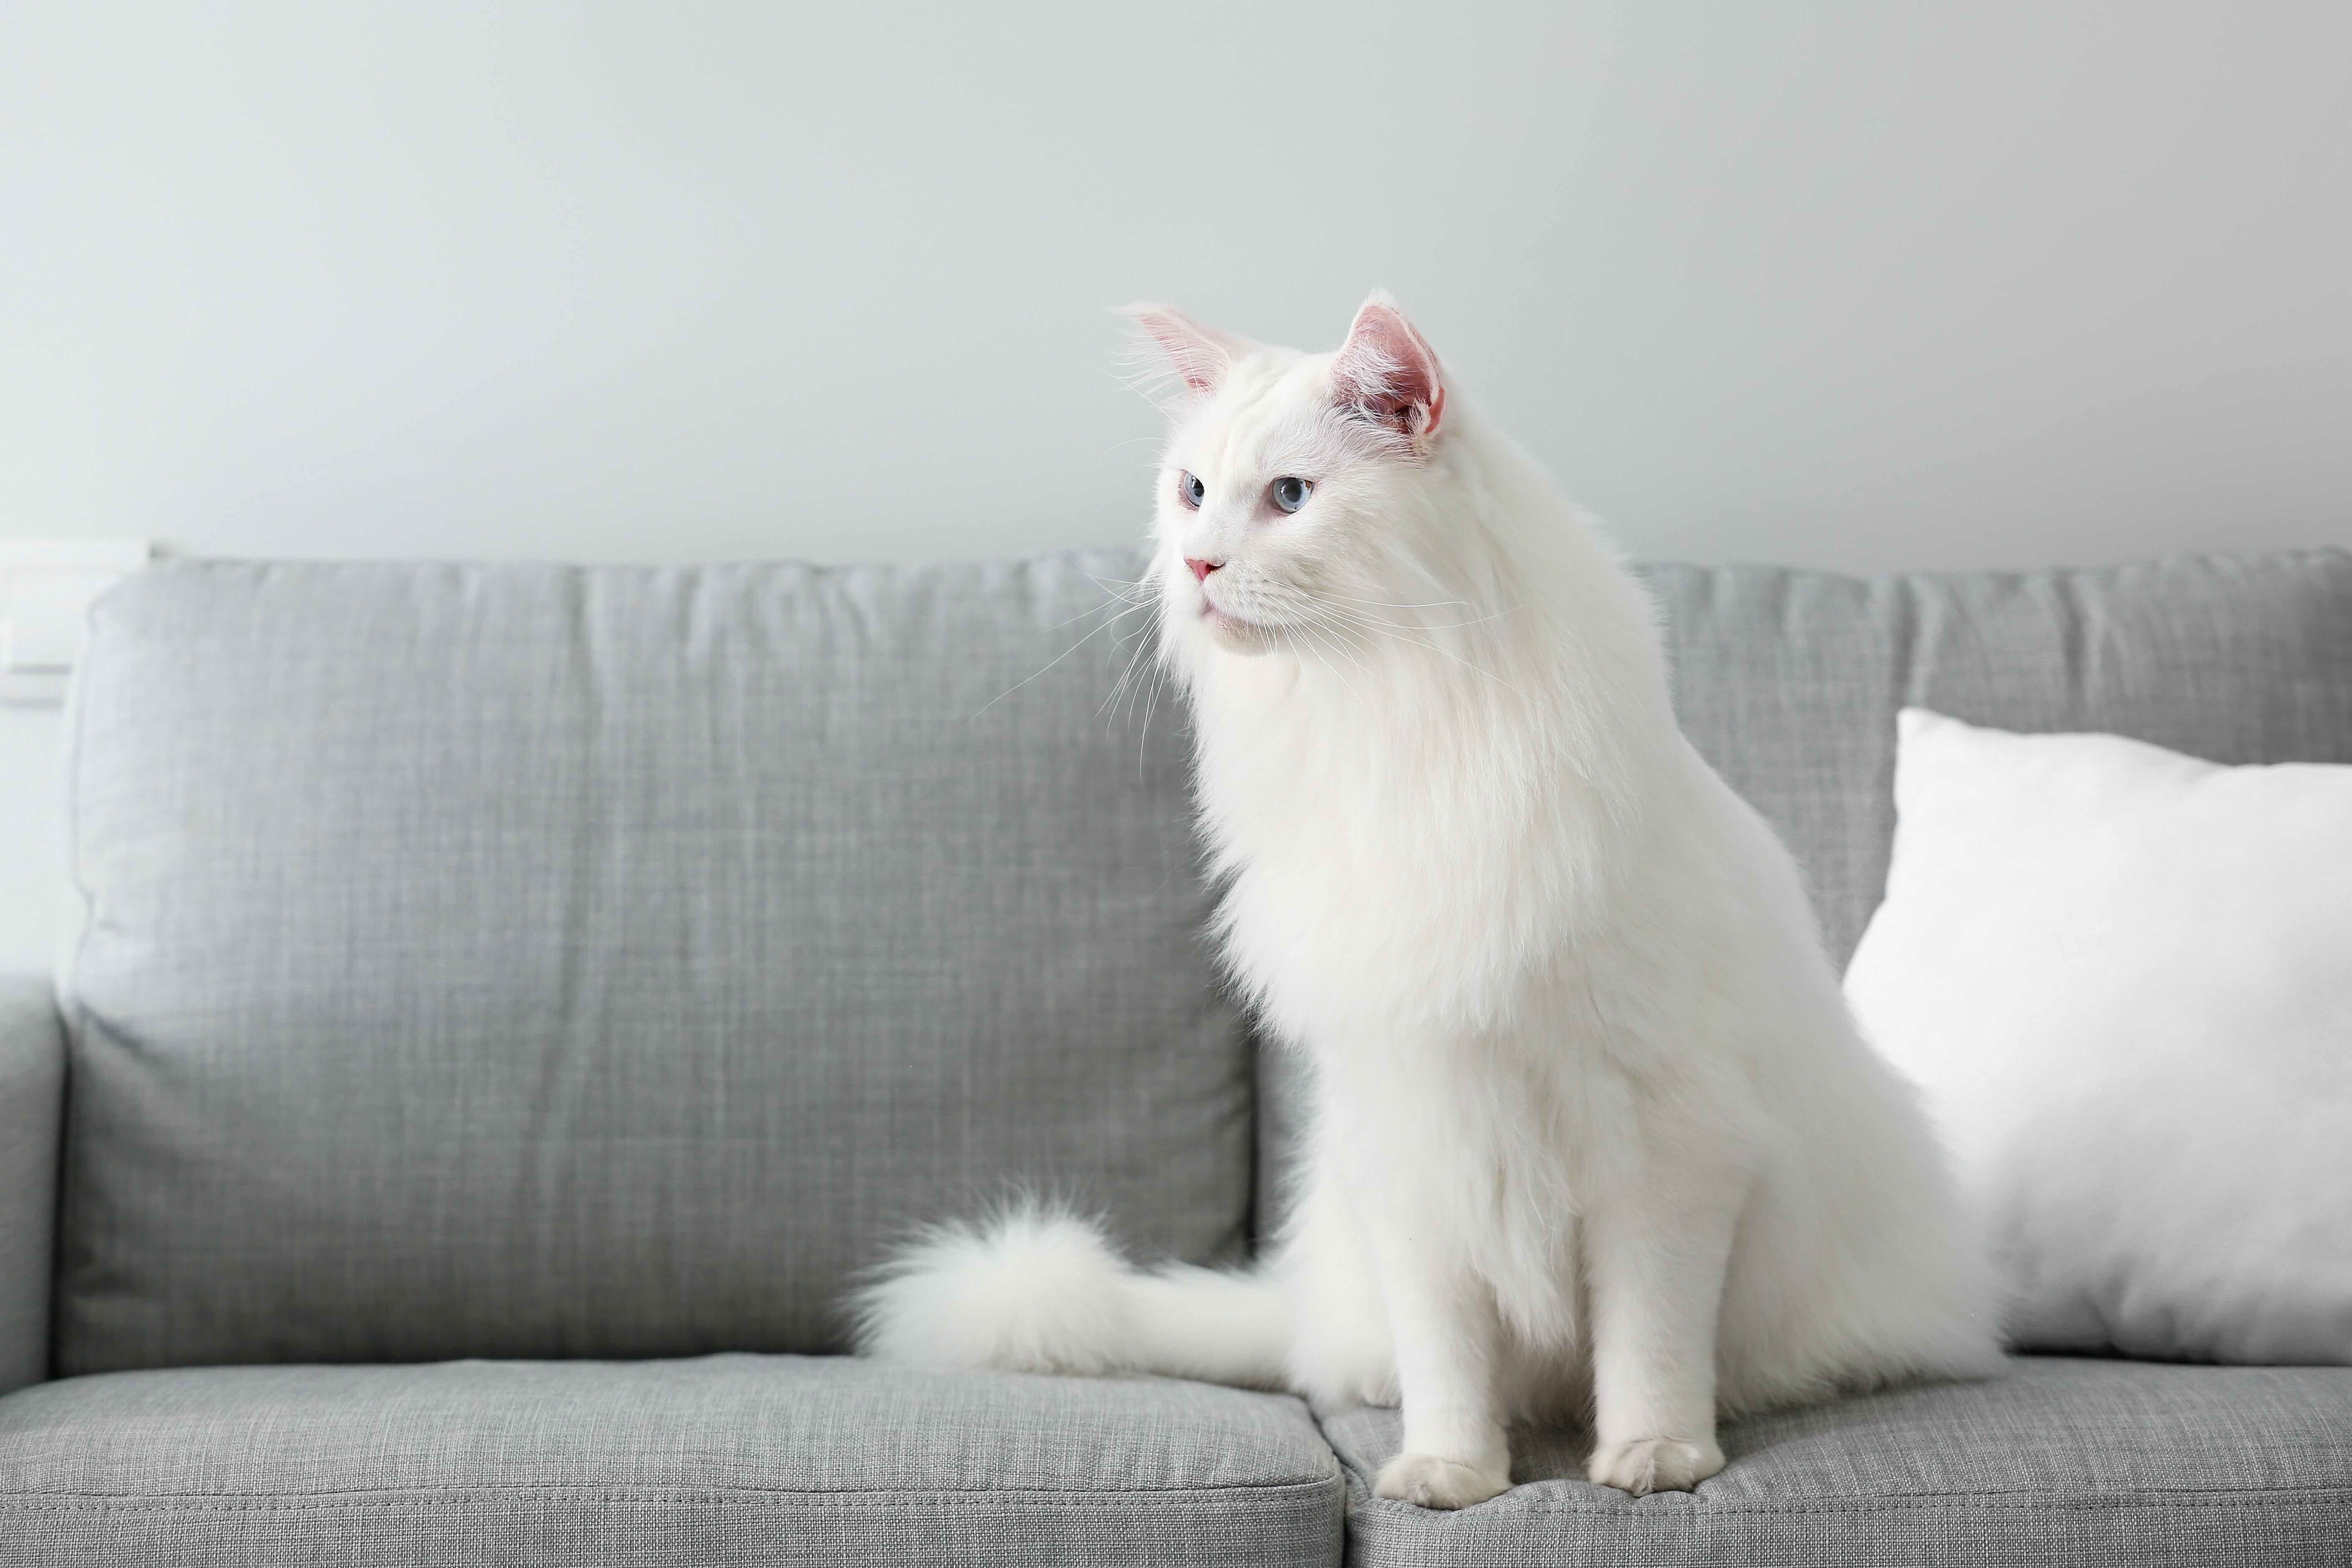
<point>1311,836</point>
<point>1309,793</point>
<point>1335,914</point>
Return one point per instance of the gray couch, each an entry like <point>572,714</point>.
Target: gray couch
<point>514,1001</point>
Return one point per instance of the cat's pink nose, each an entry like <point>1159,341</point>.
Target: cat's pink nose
<point>1200,569</point>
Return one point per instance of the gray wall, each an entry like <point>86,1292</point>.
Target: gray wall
<point>1857,284</point>
<point>1861,285</point>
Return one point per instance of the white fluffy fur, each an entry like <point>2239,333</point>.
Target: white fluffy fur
<point>1594,1132</point>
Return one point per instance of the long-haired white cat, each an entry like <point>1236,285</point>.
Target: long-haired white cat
<point>1593,1130</point>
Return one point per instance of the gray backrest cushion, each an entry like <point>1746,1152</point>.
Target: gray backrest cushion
<point>1788,681</point>
<point>533,961</point>
<point>529,961</point>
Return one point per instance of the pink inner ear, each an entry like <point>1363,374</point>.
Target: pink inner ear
<point>1200,355</point>
<point>1388,370</point>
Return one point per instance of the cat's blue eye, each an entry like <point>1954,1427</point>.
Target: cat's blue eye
<point>1190,486</point>
<point>1290,494</point>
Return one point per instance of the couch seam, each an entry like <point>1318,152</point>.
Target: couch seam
<point>1360,1498</point>
<point>97,1503</point>
<point>873,1496</point>
<point>1913,1503</point>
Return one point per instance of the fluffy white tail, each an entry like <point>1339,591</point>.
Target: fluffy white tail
<point>1039,1289</point>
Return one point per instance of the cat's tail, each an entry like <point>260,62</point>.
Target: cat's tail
<point>1037,1289</point>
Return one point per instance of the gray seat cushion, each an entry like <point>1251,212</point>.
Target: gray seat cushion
<point>727,1460</point>
<point>531,961</point>
<point>2062,1462</point>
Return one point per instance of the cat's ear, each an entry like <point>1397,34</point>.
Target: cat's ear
<point>1387,371</point>
<point>1199,355</point>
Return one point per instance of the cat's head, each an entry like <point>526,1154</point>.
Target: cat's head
<point>1295,488</point>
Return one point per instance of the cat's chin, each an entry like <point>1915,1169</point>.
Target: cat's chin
<point>1234,635</point>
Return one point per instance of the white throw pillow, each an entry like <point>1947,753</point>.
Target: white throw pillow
<point>2123,977</point>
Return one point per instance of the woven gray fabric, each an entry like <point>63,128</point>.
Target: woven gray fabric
<point>725,1460</point>
<point>2061,1463</point>
<point>32,1087</point>
<point>535,960</point>
<point>1788,681</point>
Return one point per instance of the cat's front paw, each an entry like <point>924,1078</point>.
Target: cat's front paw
<point>1428,1481</point>
<point>1645,1465</point>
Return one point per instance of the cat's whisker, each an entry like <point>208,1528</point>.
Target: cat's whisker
<point>1324,633</point>
<point>1135,646</point>
<point>1391,605</point>
<point>1404,635</point>
<point>1057,659</point>
<point>1094,610</point>
<point>1314,647</point>
<point>1340,635</point>
<point>1159,678</point>
<point>1444,625</point>
<point>1133,591</point>
<point>1146,690</point>
<point>1336,600</point>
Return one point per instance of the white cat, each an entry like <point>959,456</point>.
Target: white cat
<point>1593,1131</point>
